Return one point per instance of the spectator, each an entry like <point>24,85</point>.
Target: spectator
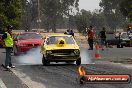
<point>103,37</point>
<point>90,37</point>
<point>129,30</point>
<point>7,37</point>
<point>85,32</point>
<point>72,33</point>
<point>67,32</point>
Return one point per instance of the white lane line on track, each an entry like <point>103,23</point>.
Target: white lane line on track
<point>27,80</point>
<point>128,66</point>
<point>2,85</point>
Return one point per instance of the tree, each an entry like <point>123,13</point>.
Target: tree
<point>87,18</point>
<point>82,19</point>
<point>98,19</point>
<point>113,10</point>
<point>126,8</point>
<point>29,14</point>
<point>54,10</point>
<point>10,13</point>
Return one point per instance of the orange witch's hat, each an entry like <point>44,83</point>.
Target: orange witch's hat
<point>97,54</point>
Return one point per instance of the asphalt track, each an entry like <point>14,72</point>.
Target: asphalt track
<point>29,72</point>
<point>58,75</point>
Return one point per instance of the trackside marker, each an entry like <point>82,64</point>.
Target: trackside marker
<point>2,85</point>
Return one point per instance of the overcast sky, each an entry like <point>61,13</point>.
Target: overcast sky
<point>89,4</point>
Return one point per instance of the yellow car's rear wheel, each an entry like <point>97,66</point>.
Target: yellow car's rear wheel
<point>78,61</point>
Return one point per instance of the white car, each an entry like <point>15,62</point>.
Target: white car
<point>125,37</point>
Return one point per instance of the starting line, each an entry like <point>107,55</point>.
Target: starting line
<point>2,85</point>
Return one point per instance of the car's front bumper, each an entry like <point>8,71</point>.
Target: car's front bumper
<point>24,49</point>
<point>62,57</point>
<point>125,43</point>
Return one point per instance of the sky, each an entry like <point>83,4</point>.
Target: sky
<point>89,4</point>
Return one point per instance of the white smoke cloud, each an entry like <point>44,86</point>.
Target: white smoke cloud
<point>32,57</point>
<point>86,56</point>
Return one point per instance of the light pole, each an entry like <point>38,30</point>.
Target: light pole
<point>69,11</point>
<point>68,20</point>
<point>38,20</point>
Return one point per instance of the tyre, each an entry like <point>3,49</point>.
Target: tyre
<point>44,61</point>
<point>121,46</point>
<point>78,62</point>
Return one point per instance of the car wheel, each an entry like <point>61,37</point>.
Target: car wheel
<point>78,62</point>
<point>118,46</point>
<point>121,46</point>
<point>44,61</point>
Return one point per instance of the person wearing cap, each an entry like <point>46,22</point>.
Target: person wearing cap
<point>8,40</point>
<point>67,32</point>
<point>71,33</point>
<point>130,29</point>
<point>102,36</point>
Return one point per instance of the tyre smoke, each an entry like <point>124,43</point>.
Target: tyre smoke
<point>86,56</point>
<point>32,57</point>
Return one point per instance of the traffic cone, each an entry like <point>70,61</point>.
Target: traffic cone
<point>97,54</point>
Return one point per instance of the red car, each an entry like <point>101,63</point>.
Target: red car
<point>25,41</point>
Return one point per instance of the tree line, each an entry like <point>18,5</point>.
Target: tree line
<point>114,14</point>
<point>63,14</point>
<point>10,13</point>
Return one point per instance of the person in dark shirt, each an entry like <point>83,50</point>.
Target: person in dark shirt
<point>103,37</point>
<point>67,32</point>
<point>72,33</point>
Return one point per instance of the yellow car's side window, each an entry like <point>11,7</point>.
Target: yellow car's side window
<point>47,41</point>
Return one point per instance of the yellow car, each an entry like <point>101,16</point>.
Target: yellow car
<point>60,48</point>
